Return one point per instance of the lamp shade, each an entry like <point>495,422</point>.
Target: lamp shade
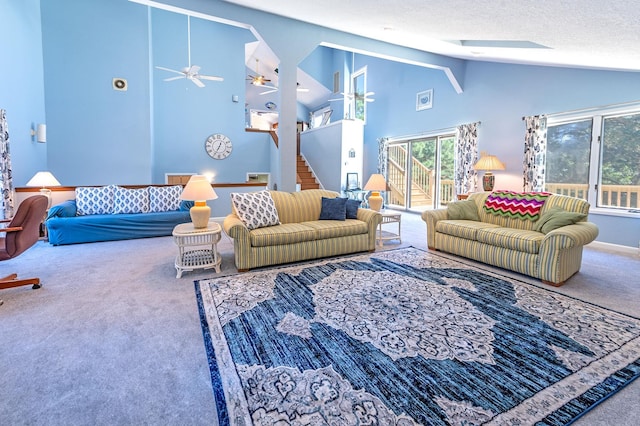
<point>199,189</point>
<point>489,163</point>
<point>43,179</point>
<point>376,182</point>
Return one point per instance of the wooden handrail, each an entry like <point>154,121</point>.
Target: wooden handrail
<point>273,133</point>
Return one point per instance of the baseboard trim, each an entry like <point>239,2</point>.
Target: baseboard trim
<point>613,247</point>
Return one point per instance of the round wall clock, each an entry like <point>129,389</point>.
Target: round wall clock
<point>218,146</point>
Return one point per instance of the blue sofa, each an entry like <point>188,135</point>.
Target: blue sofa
<point>66,225</point>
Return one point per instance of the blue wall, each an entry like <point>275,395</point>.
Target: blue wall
<point>185,115</point>
<point>97,135</point>
<point>22,85</point>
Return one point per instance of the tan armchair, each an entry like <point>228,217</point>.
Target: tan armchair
<point>21,233</point>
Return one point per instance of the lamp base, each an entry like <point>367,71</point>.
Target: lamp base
<point>375,201</point>
<point>47,193</point>
<point>200,214</point>
<point>488,181</point>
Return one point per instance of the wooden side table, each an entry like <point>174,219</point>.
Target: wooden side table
<point>389,216</point>
<point>197,248</point>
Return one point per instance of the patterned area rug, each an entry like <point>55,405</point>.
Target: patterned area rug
<point>407,337</point>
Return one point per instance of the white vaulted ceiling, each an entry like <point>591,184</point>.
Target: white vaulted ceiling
<point>573,33</point>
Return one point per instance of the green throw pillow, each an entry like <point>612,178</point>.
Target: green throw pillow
<point>555,218</point>
<point>463,210</point>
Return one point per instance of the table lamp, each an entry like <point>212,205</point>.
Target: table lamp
<point>44,179</point>
<point>375,184</point>
<point>199,190</point>
<point>487,163</point>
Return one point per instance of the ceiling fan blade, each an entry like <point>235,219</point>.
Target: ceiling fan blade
<point>196,82</point>
<point>170,70</point>
<point>193,69</point>
<point>369,94</point>
<point>369,99</point>
<point>302,89</point>
<point>210,77</point>
<point>269,91</point>
<point>175,78</point>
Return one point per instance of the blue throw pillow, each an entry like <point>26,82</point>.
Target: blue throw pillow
<point>333,209</point>
<point>65,209</point>
<point>352,208</point>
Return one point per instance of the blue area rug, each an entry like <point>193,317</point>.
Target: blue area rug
<point>407,337</point>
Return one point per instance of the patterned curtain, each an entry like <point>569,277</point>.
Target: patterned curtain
<point>535,151</point>
<point>383,156</point>
<point>466,155</point>
<point>5,168</point>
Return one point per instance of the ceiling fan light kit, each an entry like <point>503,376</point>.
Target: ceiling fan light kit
<point>190,72</point>
<point>259,79</point>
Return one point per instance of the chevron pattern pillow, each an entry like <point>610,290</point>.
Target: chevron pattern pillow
<point>94,200</point>
<point>255,209</point>
<point>164,198</point>
<point>522,205</point>
<point>130,200</point>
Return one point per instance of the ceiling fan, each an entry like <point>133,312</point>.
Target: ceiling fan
<point>190,72</point>
<point>351,96</point>
<point>259,80</point>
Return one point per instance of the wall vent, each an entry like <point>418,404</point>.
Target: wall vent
<point>119,84</point>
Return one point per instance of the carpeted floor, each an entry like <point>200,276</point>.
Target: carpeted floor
<point>113,338</point>
<point>408,337</point>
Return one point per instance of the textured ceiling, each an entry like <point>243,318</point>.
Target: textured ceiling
<point>576,33</point>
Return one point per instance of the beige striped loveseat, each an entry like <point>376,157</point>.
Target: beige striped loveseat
<point>300,235</point>
<point>511,243</point>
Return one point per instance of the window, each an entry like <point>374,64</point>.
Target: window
<point>359,89</point>
<point>317,118</point>
<point>568,157</point>
<point>596,156</point>
<point>420,171</point>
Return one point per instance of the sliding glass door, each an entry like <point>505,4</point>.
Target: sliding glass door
<point>420,173</point>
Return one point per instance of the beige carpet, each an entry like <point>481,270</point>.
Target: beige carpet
<point>113,337</point>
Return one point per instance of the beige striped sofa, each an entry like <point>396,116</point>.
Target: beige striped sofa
<point>511,243</point>
<point>300,235</point>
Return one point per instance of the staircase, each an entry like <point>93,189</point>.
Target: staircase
<point>419,197</point>
<point>304,177</point>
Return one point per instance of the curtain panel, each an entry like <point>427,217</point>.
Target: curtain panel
<point>535,153</point>
<point>383,156</point>
<point>6,179</point>
<point>466,155</point>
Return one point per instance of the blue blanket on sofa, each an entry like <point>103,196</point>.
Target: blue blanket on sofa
<point>64,227</point>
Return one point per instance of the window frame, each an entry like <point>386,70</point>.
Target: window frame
<point>362,72</point>
<point>597,115</point>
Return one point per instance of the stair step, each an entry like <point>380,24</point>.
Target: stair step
<point>305,177</point>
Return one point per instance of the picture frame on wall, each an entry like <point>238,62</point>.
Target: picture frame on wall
<point>424,100</point>
<point>352,182</point>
